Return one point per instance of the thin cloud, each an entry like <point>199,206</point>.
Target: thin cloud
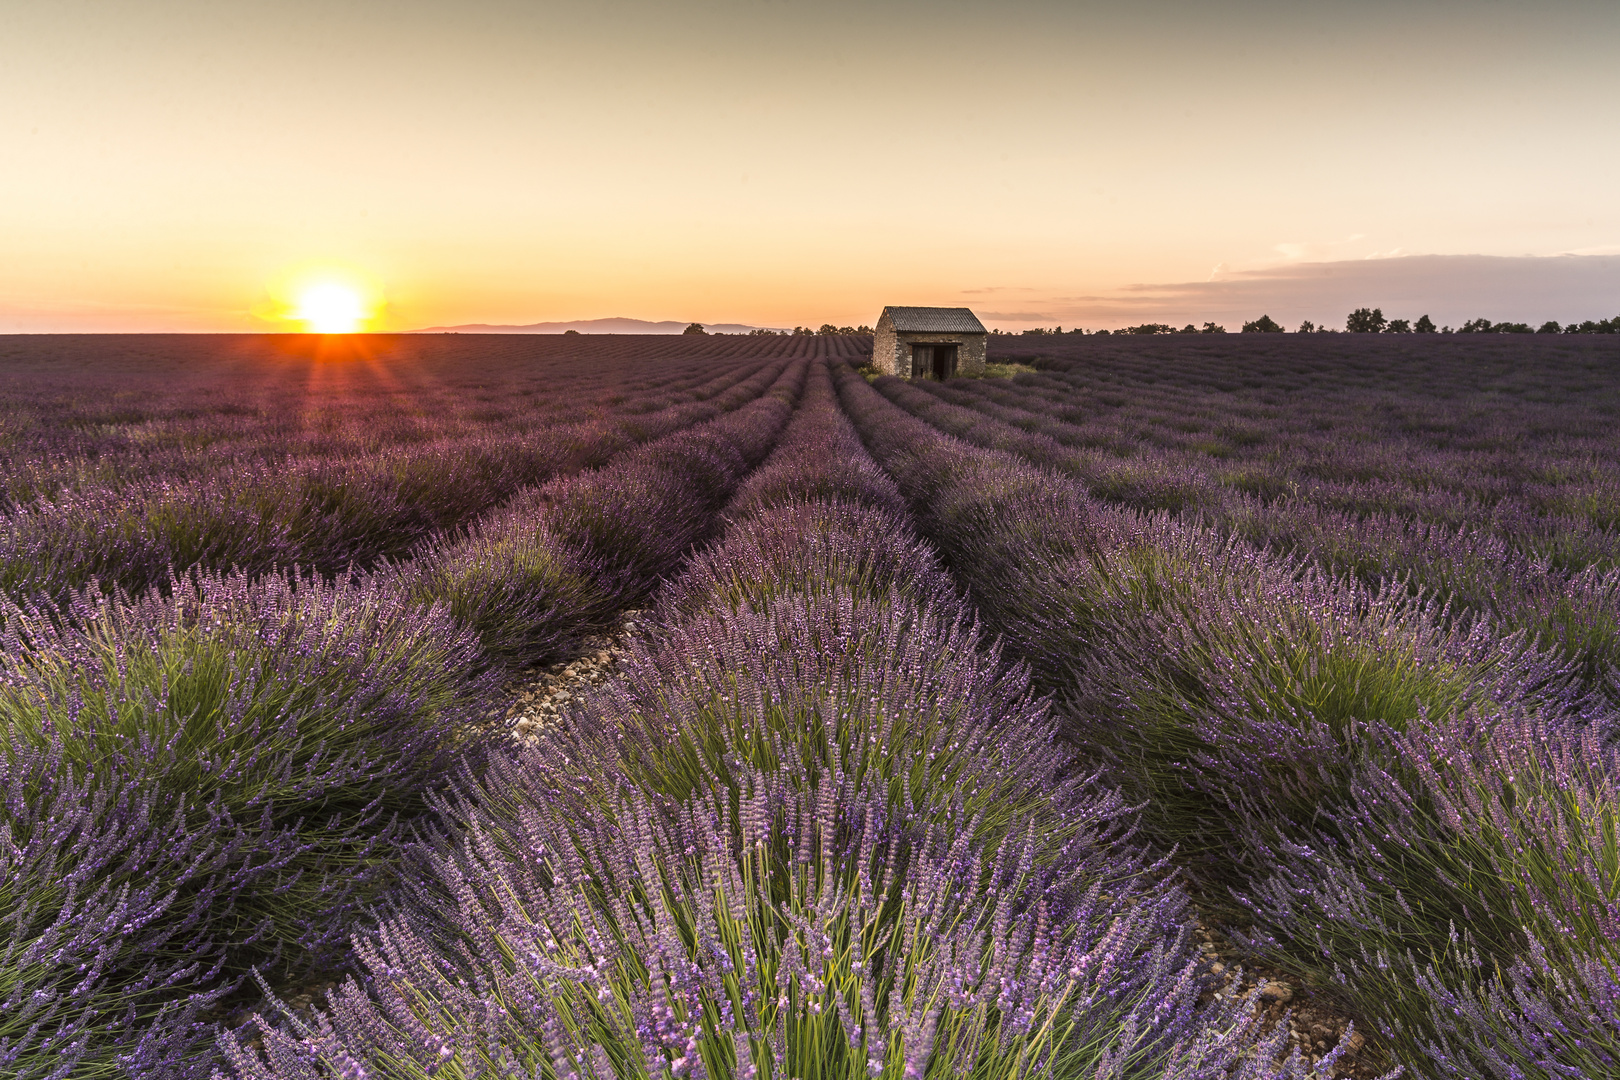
<point>1018,316</point>
<point>1448,288</point>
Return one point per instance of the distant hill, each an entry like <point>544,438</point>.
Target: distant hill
<point>588,326</point>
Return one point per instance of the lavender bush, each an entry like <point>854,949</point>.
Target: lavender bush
<point>103,888</point>
<point>1262,686</point>
<point>237,762</point>
<point>1465,901</point>
<point>809,934</point>
<point>522,589</point>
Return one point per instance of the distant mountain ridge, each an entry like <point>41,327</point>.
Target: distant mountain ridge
<point>587,326</point>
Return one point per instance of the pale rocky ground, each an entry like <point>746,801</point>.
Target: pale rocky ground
<point>541,696</point>
<point>1314,1026</point>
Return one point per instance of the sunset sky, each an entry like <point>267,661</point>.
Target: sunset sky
<point>178,165</point>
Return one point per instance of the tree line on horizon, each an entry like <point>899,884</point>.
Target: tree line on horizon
<point>825,330</point>
<point>1359,321</point>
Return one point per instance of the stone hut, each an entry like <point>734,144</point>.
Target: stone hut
<point>928,342</point>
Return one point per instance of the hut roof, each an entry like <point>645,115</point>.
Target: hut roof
<point>934,320</point>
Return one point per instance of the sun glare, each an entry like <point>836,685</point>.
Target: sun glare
<point>331,308</point>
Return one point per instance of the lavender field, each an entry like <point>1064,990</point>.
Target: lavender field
<point>958,715</point>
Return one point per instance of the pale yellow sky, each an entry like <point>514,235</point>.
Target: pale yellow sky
<point>175,165</point>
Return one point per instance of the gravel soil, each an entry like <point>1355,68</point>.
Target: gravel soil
<point>1315,1025</point>
<point>540,697</point>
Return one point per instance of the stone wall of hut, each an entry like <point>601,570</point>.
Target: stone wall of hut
<point>891,350</point>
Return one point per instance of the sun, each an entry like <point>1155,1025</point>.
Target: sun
<point>331,307</point>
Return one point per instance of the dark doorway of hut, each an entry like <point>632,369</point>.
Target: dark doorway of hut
<point>933,361</point>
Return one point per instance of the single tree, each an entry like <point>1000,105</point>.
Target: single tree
<point>1398,326</point>
<point>1211,328</point>
<point>695,328</point>
<point>1307,327</point>
<point>1366,321</point>
<point>1265,324</point>
<point>1550,327</point>
<point>1424,325</point>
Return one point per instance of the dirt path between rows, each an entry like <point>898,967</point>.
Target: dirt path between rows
<point>540,697</point>
<point>1315,1025</point>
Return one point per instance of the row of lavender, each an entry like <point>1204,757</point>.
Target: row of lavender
<point>1416,813</point>
<point>1487,532</point>
<point>1428,429</point>
<point>1518,441</point>
<point>1447,436</point>
<point>241,509</point>
<point>817,828</point>
<point>187,408</point>
<point>220,779</point>
<point>105,410</point>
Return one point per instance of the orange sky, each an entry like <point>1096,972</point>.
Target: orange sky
<point>180,165</point>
